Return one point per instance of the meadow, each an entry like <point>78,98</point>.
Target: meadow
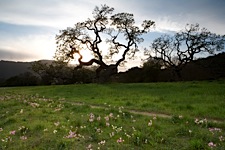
<point>179,115</point>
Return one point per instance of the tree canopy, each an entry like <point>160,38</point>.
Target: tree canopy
<point>178,50</point>
<point>118,31</point>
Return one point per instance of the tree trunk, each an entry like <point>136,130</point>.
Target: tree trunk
<point>103,75</point>
<point>178,76</point>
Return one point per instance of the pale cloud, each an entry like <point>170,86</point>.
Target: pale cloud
<point>7,54</point>
<point>32,47</point>
<point>173,15</point>
<point>169,15</point>
<point>51,13</point>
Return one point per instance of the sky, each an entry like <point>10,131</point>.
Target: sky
<point>28,27</point>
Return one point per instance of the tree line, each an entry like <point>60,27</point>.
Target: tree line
<point>58,73</point>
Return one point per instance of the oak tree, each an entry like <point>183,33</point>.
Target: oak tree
<point>178,50</point>
<point>117,31</point>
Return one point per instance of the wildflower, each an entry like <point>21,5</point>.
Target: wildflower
<point>55,131</point>
<point>180,116</point>
<point>215,129</point>
<point>99,118</point>
<point>146,141</point>
<point>106,118</point>
<point>120,140</point>
<point>12,132</point>
<point>34,105</point>
<point>56,124</point>
<point>211,144</point>
<point>82,127</point>
<point>89,147</point>
<point>23,130</point>
<point>119,129</point>
<point>221,138</point>
<point>190,131</point>
<point>23,137</point>
<point>111,115</point>
<point>154,118</point>
<point>128,136</point>
<point>107,124</point>
<point>150,123</point>
<point>21,111</point>
<point>1,129</point>
<point>7,139</point>
<point>112,134</point>
<point>98,130</point>
<point>57,109</point>
<point>101,143</point>
<point>45,130</point>
<point>91,117</point>
<point>71,135</point>
<point>196,120</point>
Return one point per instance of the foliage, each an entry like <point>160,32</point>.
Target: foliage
<point>24,79</point>
<point>58,72</point>
<point>118,31</point>
<point>151,69</point>
<point>52,73</point>
<point>178,50</point>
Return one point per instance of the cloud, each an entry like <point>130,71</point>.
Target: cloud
<point>52,13</point>
<point>26,42</point>
<point>174,15</point>
<point>12,30</point>
<point>27,48</point>
<point>170,15</point>
<point>10,55</point>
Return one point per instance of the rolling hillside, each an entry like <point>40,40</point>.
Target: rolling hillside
<point>10,68</point>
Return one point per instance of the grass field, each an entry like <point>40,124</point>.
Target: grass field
<point>182,115</point>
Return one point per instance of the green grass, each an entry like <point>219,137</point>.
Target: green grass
<point>51,117</point>
<point>195,99</point>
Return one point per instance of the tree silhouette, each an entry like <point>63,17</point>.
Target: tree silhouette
<point>178,50</point>
<point>118,31</point>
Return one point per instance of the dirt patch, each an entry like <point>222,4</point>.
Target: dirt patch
<point>138,112</point>
<point>149,114</point>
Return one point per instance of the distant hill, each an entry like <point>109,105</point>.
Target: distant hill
<point>10,68</point>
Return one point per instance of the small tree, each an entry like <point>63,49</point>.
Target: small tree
<point>55,72</point>
<point>151,69</point>
<point>118,31</point>
<point>178,50</point>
